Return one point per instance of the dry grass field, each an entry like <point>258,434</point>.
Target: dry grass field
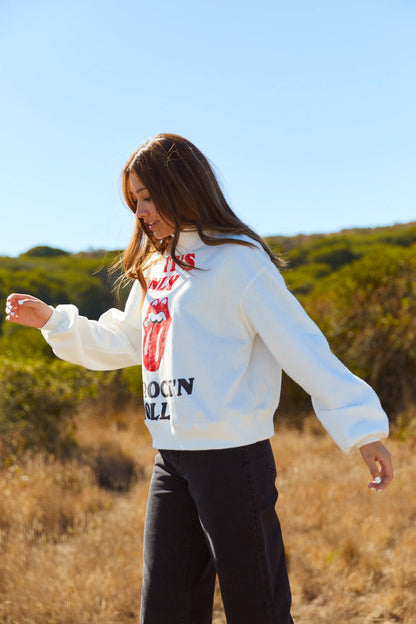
<point>71,550</point>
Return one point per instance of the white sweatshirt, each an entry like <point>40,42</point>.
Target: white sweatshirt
<point>213,342</point>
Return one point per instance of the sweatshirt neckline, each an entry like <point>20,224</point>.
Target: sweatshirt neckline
<point>188,240</point>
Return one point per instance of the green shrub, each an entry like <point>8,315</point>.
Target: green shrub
<point>40,397</point>
<point>18,342</point>
<point>302,279</point>
<point>368,312</point>
<point>45,251</point>
<point>35,407</point>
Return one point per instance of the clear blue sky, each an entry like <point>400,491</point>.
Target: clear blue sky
<point>306,108</point>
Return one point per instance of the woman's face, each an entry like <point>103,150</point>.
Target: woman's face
<point>146,210</point>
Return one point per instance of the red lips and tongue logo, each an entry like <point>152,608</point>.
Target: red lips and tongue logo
<point>156,326</point>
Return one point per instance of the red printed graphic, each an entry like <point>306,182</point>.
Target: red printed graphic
<point>163,283</point>
<point>170,264</point>
<point>156,326</point>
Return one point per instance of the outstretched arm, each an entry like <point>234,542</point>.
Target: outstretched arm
<point>114,341</point>
<point>346,406</point>
<point>378,460</point>
<point>27,310</point>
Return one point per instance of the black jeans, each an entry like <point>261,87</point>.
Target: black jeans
<point>213,512</point>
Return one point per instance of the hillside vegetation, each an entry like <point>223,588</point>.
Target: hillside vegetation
<point>357,285</point>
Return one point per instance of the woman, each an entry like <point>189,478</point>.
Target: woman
<point>212,323</point>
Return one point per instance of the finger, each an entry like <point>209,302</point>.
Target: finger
<point>11,309</point>
<point>378,460</point>
<point>13,297</point>
<point>371,461</point>
<point>386,472</point>
<point>17,298</point>
<point>376,484</point>
<point>385,476</point>
<point>14,306</point>
<point>373,467</point>
<point>379,483</point>
<point>10,313</point>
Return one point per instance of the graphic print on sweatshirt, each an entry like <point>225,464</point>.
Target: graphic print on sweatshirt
<point>158,318</point>
<point>156,326</point>
<point>170,275</point>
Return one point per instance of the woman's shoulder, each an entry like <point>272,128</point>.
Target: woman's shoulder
<point>247,245</point>
<point>245,255</point>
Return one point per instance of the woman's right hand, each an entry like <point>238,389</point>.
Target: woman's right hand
<point>27,310</point>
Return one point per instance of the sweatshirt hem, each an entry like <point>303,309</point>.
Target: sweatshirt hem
<point>210,437</point>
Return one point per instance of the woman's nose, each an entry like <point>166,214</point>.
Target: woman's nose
<point>140,211</point>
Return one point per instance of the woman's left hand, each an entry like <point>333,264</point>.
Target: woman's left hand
<point>378,460</point>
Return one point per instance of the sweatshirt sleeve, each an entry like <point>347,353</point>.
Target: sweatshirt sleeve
<point>114,341</point>
<point>347,407</point>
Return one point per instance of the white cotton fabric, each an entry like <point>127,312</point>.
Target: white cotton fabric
<point>213,342</point>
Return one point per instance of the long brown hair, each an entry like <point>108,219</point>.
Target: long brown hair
<point>186,193</point>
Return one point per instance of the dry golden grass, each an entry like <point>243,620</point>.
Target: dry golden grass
<point>351,551</point>
<point>71,551</point>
